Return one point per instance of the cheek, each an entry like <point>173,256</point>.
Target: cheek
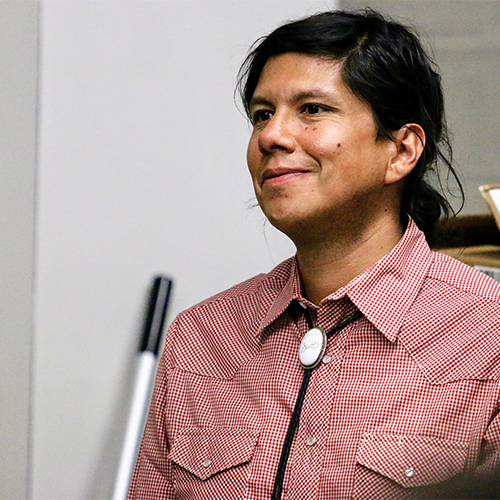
<point>253,156</point>
<point>323,145</point>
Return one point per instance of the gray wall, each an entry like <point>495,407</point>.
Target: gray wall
<point>465,38</point>
<point>18,86</point>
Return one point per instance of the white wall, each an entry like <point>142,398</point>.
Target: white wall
<point>141,171</point>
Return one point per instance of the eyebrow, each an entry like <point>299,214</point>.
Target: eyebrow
<point>299,96</point>
<point>255,101</point>
<point>314,93</point>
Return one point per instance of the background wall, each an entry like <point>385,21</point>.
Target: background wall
<point>18,108</point>
<point>141,170</point>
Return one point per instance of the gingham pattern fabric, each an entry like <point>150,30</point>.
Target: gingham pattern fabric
<point>406,397</point>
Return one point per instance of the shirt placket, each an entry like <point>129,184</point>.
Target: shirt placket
<point>308,450</point>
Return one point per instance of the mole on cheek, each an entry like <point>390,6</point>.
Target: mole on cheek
<point>338,145</point>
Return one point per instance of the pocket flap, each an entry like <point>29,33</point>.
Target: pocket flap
<point>205,451</point>
<point>412,461</point>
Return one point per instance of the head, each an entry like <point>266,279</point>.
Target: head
<point>386,67</point>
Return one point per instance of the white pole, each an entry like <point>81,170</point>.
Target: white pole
<point>140,402</point>
<point>146,369</point>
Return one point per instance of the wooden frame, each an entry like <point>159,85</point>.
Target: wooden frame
<point>491,193</point>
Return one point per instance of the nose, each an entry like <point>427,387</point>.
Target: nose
<point>277,135</point>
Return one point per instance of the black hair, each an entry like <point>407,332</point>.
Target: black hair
<point>385,66</point>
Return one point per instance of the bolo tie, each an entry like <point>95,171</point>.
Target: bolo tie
<point>312,349</point>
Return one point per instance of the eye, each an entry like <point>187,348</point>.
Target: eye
<point>313,109</point>
<point>261,115</point>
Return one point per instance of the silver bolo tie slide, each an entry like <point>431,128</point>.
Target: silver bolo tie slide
<point>312,348</point>
<point>313,345</point>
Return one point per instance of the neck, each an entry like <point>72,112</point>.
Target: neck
<point>330,263</point>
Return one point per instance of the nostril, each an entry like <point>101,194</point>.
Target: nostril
<point>264,149</point>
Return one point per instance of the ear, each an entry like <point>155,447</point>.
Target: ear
<point>409,141</point>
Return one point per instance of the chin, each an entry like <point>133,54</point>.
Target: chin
<point>294,227</point>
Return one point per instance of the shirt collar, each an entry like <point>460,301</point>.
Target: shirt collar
<point>386,290</point>
<point>283,293</point>
<point>383,293</point>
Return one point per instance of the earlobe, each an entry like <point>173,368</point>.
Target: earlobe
<point>409,141</point>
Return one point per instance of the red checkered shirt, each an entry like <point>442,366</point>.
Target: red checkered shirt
<point>406,397</point>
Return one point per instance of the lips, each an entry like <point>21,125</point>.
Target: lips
<point>281,174</point>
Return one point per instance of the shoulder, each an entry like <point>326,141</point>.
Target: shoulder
<point>260,289</point>
<point>453,328</point>
<point>463,278</point>
<point>224,330</point>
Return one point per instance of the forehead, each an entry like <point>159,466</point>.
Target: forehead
<point>301,74</point>
<point>297,60</point>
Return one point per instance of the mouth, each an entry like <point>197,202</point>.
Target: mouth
<point>281,174</point>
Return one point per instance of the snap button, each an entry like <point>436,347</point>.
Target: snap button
<point>207,463</point>
<point>311,440</point>
<point>409,472</point>
<point>326,359</point>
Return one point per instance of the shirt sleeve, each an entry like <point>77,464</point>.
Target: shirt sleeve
<point>152,475</point>
<point>489,465</point>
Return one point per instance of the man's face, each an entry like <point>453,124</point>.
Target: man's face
<point>313,154</point>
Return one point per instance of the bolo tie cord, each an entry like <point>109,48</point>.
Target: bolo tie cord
<point>294,421</point>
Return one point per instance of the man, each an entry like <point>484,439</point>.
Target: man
<point>366,366</point>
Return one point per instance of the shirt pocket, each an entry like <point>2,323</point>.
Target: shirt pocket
<point>208,459</point>
<point>389,465</point>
